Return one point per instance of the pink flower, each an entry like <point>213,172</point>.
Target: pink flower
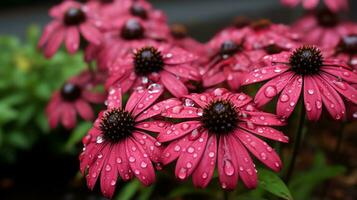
<point>119,144</point>
<point>71,21</point>
<point>154,63</point>
<point>74,97</point>
<point>219,127</point>
<point>346,50</point>
<point>333,5</point>
<point>324,28</point>
<point>305,72</point>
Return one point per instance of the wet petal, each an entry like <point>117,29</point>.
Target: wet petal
<point>289,97</point>
<point>178,130</point>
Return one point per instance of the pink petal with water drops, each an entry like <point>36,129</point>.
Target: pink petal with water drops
<point>245,165</point>
<point>182,112</point>
<point>203,173</point>
<point>122,161</point>
<point>266,132</point>
<point>157,109</point>
<point>54,42</point>
<point>96,166</point>
<point>234,79</point>
<point>177,55</point>
<point>150,95</point>
<point>310,4</point>
<point>270,89</point>
<point>72,39</point>
<point>227,163</point>
<point>87,157</point>
<point>84,109</point>
<point>201,99</point>
<point>190,158</point>
<point>240,99</point>
<point>54,116</point>
<point>260,149</point>
<point>175,86</point>
<point>264,73</point>
<point>150,145</point>
<point>140,165</point>
<point>331,99</point>
<point>109,175</point>
<point>156,126</point>
<point>178,130</point>
<point>261,118</point>
<point>312,99</point>
<point>289,97</point>
<point>134,98</point>
<point>341,72</point>
<point>174,150</point>
<point>114,98</point>
<point>214,79</point>
<point>90,33</point>
<point>94,97</point>
<point>184,71</point>
<point>48,32</point>
<point>69,118</point>
<point>349,92</point>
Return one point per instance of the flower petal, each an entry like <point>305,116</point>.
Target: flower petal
<point>289,97</point>
<point>201,99</point>
<point>177,55</point>
<point>96,166</point>
<point>150,95</point>
<point>182,112</point>
<point>178,130</point>
<point>84,109</point>
<point>264,73</point>
<point>261,118</point>
<point>157,109</point>
<point>72,39</point>
<point>150,145</point>
<point>156,126</point>
<point>109,174</point>
<point>48,32</point>
<point>91,33</point>
<point>54,42</point>
<point>122,161</point>
<point>69,118</point>
<point>174,150</point>
<point>173,85</point>
<point>341,72</point>
<point>114,98</point>
<point>312,99</point>
<point>266,132</point>
<point>214,79</point>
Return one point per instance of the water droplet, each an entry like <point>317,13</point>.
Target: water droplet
<point>204,175</point>
<point>177,109</point>
<point>318,104</point>
<point>182,173</point>
<point>354,115</point>
<point>94,174</point>
<point>263,156</point>
<point>270,91</point>
<point>308,106</point>
<point>143,164</point>
<point>228,168</point>
<point>189,165</point>
<point>99,139</point>
<point>340,85</point>
<point>100,156</point>
<point>131,159</point>
<point>190,149</point>
<point>292,104</point>
<point>177,148</point>
<point>113,182</point>
<point>211,154</point>
<point>108,168</point>
<point>119,160</point>
<point>284,98</point>
<point>154,88</point>
<point>185,126</point>
<point>189,102</point>
<point>310,91</point>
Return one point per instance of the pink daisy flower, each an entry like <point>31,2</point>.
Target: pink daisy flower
<point>220,128</point>
<point>305,72</point>
<point>154,63</point>
<point>346,50</point>
<point>324,28</point>
<point>333,5</point>
<point>71,21</point>
<point>119,144</point>
<point>74,97</point>
<point>128,34</point>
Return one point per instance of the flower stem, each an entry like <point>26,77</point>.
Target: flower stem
<point>297,142</point>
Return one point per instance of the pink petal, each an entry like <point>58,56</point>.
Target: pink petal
<point>173,85</point>
<point>227,163</point>
<point>245,165</point>
<point>72,39</point>
<point>109,174</point>
<point>114,98</point>
<point>240,99</point>
<point>189,159</point>
<point>134,98</point>
<point>54,42</point>
<point>150,145</point>
<point>310,4</point>
<point>84,110</point>
<point>289,97</point>
<point>331,99</point>
<point>312,99</point>
<point>270,89</point>
<point>260,149</point>
<point>178,130</point>
<point>54,116</point>
<point>140,165</point>
<point>157,109</point>
<point>342,73</point>
<point>91,33</point>
<point>123,161</point>
<point>68,116</point>
<point>94,97</point>
<point>291,3</point>
<point>182,112</point>
<point>201,99</point>
<point>48,32</point>
<point>203,173</point>
<point>342,87</point>
<point>174,150</point>
<point>266,132</point>
<point>150,95</point>
<point>333,5</point>
<point>184,71</point>
<point>261,118</point>
<point>156,126</point>
<point>95,168</point>
<point>177,56</point>
<point>264,73</point>
<point>214,79</point>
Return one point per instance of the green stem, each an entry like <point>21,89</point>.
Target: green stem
<point>297,143</point>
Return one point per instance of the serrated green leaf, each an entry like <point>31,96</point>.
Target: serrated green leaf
<point>272,183</point>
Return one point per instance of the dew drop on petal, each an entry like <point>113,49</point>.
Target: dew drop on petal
<point>154,88</point>
<point>228,168</point>
<point>204,175</point>
<point>131,159</point>
<point>284,98</point>
<point>143,164</point>
<point>270,91</point>
<point>182,173</point>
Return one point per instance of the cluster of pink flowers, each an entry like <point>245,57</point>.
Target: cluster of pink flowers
<point>185,101</point>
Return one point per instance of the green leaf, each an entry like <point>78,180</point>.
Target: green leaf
<point>146,193</point>
<point>182,191</point>
<point>272,183</point>
<point>129,190</point>
<point>78,133</point>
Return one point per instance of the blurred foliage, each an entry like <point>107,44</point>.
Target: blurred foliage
<point>26,84</point>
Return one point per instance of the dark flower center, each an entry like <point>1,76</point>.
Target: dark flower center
<point>348,44</point>
<point>273,49</point>
<point>132,30</point>
<point>70,92</point>
<point>148,60</point>
<point>327,18</point>
<point>116,125</point>
<point>74,16</point>
<point>139,11</point>
<point>178,31</point>
<point>229,48</point>
<point>306,60</point>
<point>220,117</point>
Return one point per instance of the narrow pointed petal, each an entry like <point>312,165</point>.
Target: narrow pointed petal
<point>289,97</point>
<point>114,98</point>
<point>54,43</point>
<point>266,132</point>
<point>342,73</point>
<point>150,95</point>
<point>264,73</point>
<point>150,145</point>
<point>69,118</point>
<point>72,39</point>
<point>95,168</point>
<point>157,109</point>
<point>173,85</point>
<point>123,161</point>
<point>312,99</point>
<point>178,130</point>
<point>182,112</point>
<point>91,33</point>
<point>109,175</point>
<point>157,126</point>
<point>84,109</point>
